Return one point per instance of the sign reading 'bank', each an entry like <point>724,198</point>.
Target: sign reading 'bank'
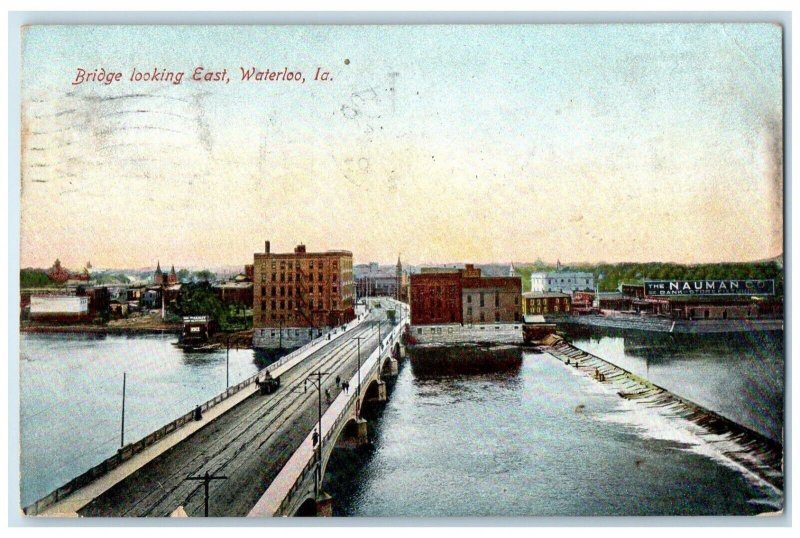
<point>709,287</point>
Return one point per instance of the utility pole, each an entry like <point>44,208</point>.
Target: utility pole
<point>206,478</point>
<point>227,363</point>
<point>358,386</point>
<point>318,472</point>
<point>122,432</point>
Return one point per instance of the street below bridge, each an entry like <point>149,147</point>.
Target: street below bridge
<point>248,445</point>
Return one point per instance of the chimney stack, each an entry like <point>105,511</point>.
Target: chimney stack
<point>266,247</point>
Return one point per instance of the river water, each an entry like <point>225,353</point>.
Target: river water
<point>522,435</point>
<point>71,397</point>
<point>536,438</point>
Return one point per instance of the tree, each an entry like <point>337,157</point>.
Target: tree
<point>184,275</point>
<point>198,299</point>
<point>204,276</point>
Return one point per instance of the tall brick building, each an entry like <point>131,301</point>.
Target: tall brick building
<point>299,295</point>
<point>436,298</point>
<point>463,296</point>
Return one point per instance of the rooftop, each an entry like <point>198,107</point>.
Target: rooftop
<point>543,294</point>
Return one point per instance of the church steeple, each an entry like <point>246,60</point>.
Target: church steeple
<point>158,277</point>
<point>399,279</point>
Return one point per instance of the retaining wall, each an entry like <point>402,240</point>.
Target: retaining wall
<point>493,333</point>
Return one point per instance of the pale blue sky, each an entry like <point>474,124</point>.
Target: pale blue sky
<point>479,143</point>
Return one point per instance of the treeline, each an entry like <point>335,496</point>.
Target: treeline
<point>34,278</point>
<point>610,275</point>
<point>37,278</point>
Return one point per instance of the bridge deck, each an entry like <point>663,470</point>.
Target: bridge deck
<point>269,503</point>
<point>249,444</point>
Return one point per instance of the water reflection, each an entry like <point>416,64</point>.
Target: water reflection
<point>458,361</point>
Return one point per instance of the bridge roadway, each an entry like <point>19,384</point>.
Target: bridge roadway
<point>249,444</point>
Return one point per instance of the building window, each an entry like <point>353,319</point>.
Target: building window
<point>497,316</point>
<point>483,318</point>
<point>469,298</point>
<point>482,302</point>
<point>496,299</point>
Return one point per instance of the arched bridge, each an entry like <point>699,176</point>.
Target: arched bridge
<point>299,488</point>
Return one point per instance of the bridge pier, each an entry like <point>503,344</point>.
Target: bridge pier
<point>394,368</point>
<point>355,435</point>
<point>382,395</point>
<point>361,437</point>
<point>324,505</point>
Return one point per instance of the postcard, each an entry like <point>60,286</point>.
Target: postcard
<point>402,270</point>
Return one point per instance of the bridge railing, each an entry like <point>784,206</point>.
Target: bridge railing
<point>343,415</point>
<point>128,451</point>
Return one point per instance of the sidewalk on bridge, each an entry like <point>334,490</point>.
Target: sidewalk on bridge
<point>69,506</point>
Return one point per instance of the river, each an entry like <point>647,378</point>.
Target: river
<point>539,439</point>
<point>523,435</point>
<point>71,397</point>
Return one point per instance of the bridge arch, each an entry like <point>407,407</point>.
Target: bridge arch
<point>307,509</point>
<point>386,366</point>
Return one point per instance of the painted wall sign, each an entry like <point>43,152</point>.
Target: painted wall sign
<point>709,287</point>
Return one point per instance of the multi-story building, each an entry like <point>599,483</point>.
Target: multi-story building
<point>299,295</point>
<point>490,299</point>
<point>464,296</point>
<point>547,303</point>
<point>436,298</point>
<point>462,305</point>
<point>562,282</point>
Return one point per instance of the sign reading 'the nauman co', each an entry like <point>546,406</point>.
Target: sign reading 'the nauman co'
<point>709,287</point>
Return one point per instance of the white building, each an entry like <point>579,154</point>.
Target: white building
<point>562,281</point>
<point>59,307</point>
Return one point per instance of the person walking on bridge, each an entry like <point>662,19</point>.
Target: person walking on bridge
<point>338,381</point>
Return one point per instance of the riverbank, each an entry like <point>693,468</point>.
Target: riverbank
<point>98,329</point>
<point>662,325</point>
